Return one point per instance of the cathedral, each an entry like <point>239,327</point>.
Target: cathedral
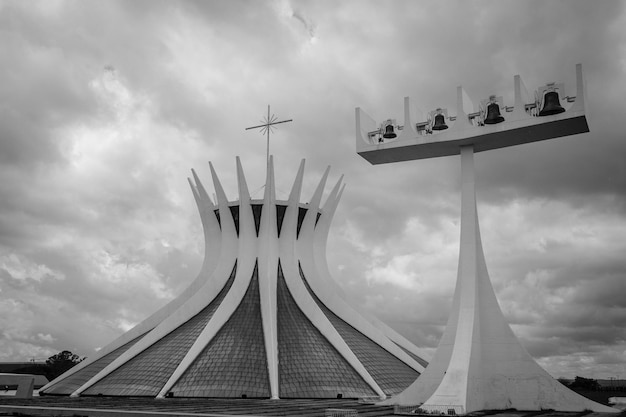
<point>263,319</point>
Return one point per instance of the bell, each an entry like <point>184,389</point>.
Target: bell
<point>551,104</point>
<point>493,114</point>
<point>440,122</point>
<point>389,132</point>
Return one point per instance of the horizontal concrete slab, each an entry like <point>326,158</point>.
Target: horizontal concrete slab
<point>482,138</point>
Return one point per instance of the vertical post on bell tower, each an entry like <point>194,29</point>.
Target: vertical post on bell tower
<point>460,384</point>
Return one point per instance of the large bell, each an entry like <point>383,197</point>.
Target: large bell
<point>551,104</point>
<point>440,122</point>
<point>493,114</point>
<point>389,132</point>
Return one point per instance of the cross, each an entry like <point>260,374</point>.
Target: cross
<point>267,127</point>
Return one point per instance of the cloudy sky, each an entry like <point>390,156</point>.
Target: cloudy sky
<point>106,106</point>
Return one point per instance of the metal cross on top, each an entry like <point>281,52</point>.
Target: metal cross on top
<point>267,127</point>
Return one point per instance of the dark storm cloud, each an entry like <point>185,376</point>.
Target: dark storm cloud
<point>582,165</point>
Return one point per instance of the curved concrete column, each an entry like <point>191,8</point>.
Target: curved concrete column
<point>188,308</point>
<point>480,364</point>
<point>268,271</point>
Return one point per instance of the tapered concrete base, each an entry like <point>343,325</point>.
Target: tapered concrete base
<point>480,364</point>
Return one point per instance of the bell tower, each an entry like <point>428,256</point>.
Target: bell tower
<point>479,363</point>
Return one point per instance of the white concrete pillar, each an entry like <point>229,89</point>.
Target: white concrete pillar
<point>480,364</point>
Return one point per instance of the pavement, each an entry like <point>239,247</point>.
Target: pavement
<point>49,406</point>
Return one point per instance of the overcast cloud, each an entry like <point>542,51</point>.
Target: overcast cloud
<point>105,106</point>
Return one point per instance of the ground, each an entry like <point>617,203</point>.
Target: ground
<point>144,407</point>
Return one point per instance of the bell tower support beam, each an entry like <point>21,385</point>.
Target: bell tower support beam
<point>480,364</point>
<point>474,299</point>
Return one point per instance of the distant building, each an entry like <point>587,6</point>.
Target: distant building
<point>34,368</point>
<point>17,367</point>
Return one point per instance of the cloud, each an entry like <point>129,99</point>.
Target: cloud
<point>309,26</point>
<point>107,105</point>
